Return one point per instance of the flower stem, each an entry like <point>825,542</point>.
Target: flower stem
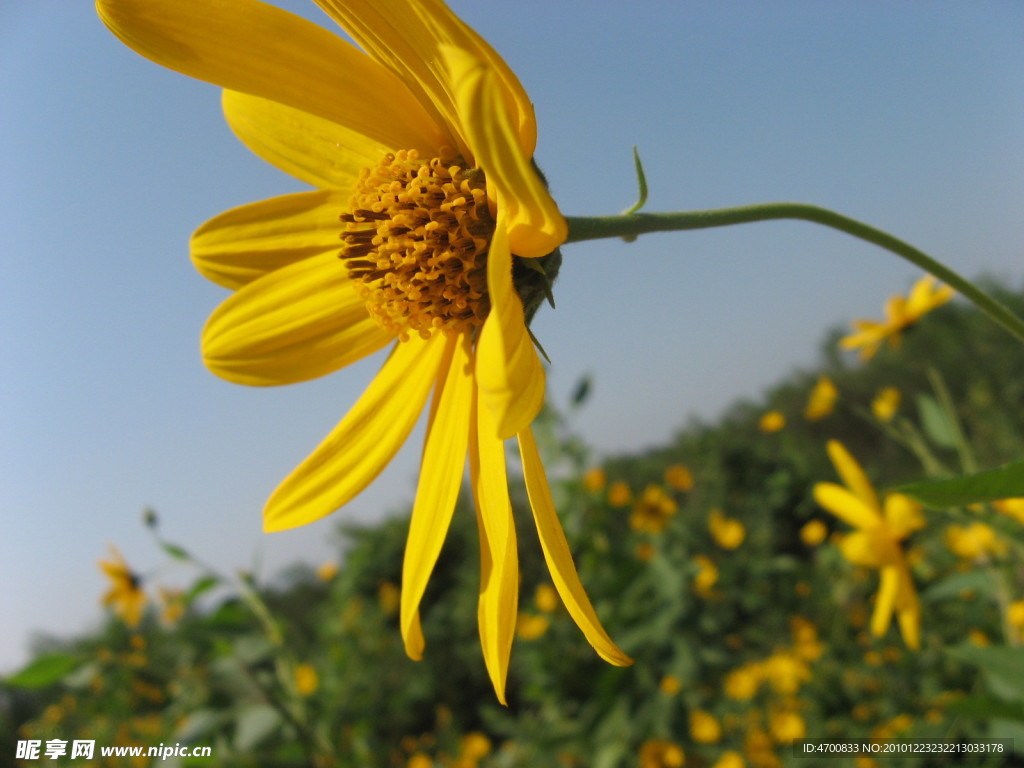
<point>628,226</point>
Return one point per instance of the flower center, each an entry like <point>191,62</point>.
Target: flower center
<point>416,241</point>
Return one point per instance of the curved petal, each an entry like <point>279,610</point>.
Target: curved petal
<point>253,47</point>
<point>404,36</point>
<point>242,244</point>
<point>310,148</point>
<point>441,470</point>
<point>559,558</point>
<point>535,225</point>
<point>863,548</point>
<point>852,474</point>
<point>499,558</point>
<point>885,600</point>
<point>363,443</point>
<point>509,372</point>
<point>844,505</point>
<point>294,324</point>
<point>908,611</point>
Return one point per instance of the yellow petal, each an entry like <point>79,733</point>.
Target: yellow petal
<point>510,375</point>
<point>244,243</point>
<point>863,548</point>
<point>294,324</point>
<point>903,515</point>
<point>559,558</point>
<point>255,48</point>
<point>363,443</point>
<point>885,601</point>
<point>852,475</point>
<point>535,225</point>
<point>499,561</point>
<point>844,505</point>
<point>310,148</point>
<point>405,35</point>
<point>908,611</point>
<point>441,470</point>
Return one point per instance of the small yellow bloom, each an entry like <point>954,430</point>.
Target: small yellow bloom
<point>773,421</point>
<point>727,533</point>
<point>886,403</point>
<point>389,597</point>
<point>530,626</point>
<point>1011,507</point>
<point>785,672</point>
<point>730,759</point>
<point>742,683</point>
<point>419,760</point>
<point>822,399</point>
<point>876,542</point>
<point>813,533</point>
<point>978,638</point>
<point>644,551</point>
<point>172,605</point>
<point>418,142</point>
<point>327,571</point>
<point>670,685</point>
<point>975,540</point>
<point>707,576</point>
<point>474,746</point>
<point>659,753</point>
<point>786,727</point>
<point>704,727</point>
<point>125,595</point>
<point>805,639</point>
<point>546,598</point>
<point>653,510</point>
<point>306,679</point>
<point>1015,614</point>
<point>679,477</point>
<point>594,480</point>
<point>619,494</point>
<point>900,314</point>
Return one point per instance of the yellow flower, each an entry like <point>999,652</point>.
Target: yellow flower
<point>327,571</point>
<point>545,598</point>
<point>785,672</point>
<point>730,759</point>
<point>822,399</point>
<point>388,597</point>
<point>172,605</point>
<point>786,727</point>
<point>726,532</point>
<point>659,753</point>
<point>1012,507</point>
<point>619,494</point>
<point>876,542</point>
<point>707,576</point>
<point>422,145</point>
<point>653,510</point>
<point>886,403</point>
<point>670,685</point>
<point>1015,614</point>
<point>679,477</point>
<point>306,679</point>
<point>594,480</point>
<point>474,746</point>
<point>772,421</point>
<point>742,683</point>
<point>125,595</point>
<point>419,760</point>
<point>704,728</point>
<point>900,314</point>
<point>973,541</point>
<point>530,626</point>
<point>813,533</point>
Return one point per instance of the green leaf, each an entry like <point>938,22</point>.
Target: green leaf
<point>1003,667</point>
<point>936,422</point>
<point>255,724</point>
<point>44,671</point>
<point>202,586</point>
<point>977,581</point>
<point>1005,482</point>
<point>986,708</point>
<point>178,553</point>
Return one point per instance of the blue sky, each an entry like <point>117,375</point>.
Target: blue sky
<point>907,115</point>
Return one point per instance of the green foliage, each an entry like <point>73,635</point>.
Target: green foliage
<point>748,627</point>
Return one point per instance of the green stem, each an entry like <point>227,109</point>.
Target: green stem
<point>628,226</point>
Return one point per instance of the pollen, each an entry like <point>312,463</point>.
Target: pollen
<point>416,237</point>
